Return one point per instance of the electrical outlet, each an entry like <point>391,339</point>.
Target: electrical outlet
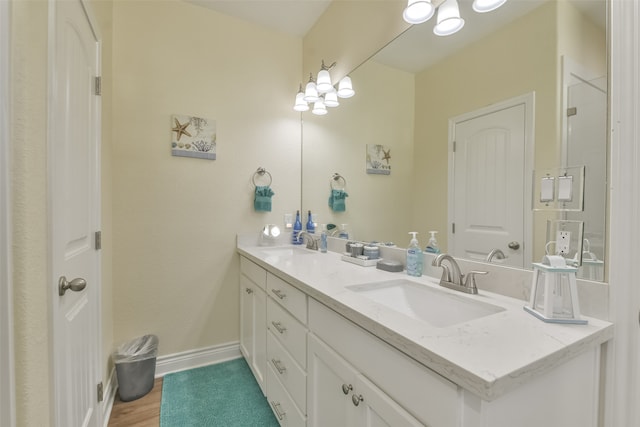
<point>563,239</point>
<point>288,221</point>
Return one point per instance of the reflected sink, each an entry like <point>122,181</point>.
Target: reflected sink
<point>287,251</point>
<point>437,308</point>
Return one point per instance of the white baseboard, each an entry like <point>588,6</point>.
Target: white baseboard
<point>109,394</point>
<point>196,358</point>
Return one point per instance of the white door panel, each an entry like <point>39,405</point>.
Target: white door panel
<point>489,185</point>
<point>74,209</point>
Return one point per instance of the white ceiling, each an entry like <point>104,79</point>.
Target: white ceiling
<point>416,49</point>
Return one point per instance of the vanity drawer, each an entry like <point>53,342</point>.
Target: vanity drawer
<point>281,403</point>
<point>253,271</point>
<point>291,333</point>
<point>288,296</point>
<point>290,374</point>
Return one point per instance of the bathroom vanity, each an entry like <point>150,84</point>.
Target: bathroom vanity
<point>336,344</point>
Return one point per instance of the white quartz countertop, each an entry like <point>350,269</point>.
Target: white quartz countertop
<point>488,356</point>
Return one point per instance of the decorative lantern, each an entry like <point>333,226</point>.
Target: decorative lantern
<point>554,294</point>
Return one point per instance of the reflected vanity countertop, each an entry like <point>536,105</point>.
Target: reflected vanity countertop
<point>488,356</point>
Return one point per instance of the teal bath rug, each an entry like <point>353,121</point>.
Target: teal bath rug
<point>225,395</point>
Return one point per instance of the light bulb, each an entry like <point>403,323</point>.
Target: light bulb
<point>301,104</point>
<point>331,98</point>
<point>345,89</point>
<point>482,6</point>
<point>324,81</point>
<point>319,108</point>
<point>311,92</point>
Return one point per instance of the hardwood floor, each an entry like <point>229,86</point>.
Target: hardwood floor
<point>144,412</point>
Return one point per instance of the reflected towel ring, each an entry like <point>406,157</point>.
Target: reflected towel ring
<point>261,172</point>
<point>335,180</point>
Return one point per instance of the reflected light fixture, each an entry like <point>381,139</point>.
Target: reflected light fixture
<point>418,11</point>
<point>319,108</point>
<point>300,104</point>
<point>311,91</point>
<point>322,93</point>
<point>482,6</point>
<point>345,88</point>
<point>449,20</point>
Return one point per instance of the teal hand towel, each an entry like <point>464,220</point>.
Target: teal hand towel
<point>262,200</point>
<point>337,200</point>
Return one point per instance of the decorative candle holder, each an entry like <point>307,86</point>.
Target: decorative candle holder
<point>554,293</point>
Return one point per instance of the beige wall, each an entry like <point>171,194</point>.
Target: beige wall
<point>29,188</point>
<point>377,114</point>
<point>175,219</point>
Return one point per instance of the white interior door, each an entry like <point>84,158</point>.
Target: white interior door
<point>74,169</point>
<point>489,193</point>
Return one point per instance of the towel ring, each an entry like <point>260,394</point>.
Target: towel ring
<point>335,180</point>
<point>261,172</point>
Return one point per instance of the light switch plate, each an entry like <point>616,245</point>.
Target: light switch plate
<point>288,221</point>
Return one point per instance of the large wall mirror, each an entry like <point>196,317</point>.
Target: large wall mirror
<point>460,130</point>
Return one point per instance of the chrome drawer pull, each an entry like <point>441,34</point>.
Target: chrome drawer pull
<point>279,293</point>
<point>279,327</point>
<point>357,399</point>
<point>278,410</point>
<point>279,367</point>
<point>346,388</point>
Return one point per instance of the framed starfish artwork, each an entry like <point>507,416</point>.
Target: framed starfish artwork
<point>378,159</point>
<point>193,137</point>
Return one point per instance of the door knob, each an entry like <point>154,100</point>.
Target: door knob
<point>514,245</point>
<point>75,285</point>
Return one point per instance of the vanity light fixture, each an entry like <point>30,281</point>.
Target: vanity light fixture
<point>418,11</point>
<point>449,20</point>
<point>322,93</point>
<point>482,6</point>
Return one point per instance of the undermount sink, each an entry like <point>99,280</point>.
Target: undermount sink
<point>287,251</point>
<point>437,308</point>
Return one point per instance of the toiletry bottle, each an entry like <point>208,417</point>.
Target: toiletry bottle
<point>297,228</point>
<point>432,246</point>
<point>414,257</point>
<point>344,234</point>
<point>311,227</point>
<point>323,238</point>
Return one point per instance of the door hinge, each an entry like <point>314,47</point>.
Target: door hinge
<point>453,228</point>
<point>98,240</point>
<point>454,146</point>
<point>100,389</point>
<point>98,85</point>
<point>572,111</point>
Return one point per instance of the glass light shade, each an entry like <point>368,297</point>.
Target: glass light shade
<point>311,92</point>
<point>482,6</point>
<point>331,99</point>
<point>319,108</point>
<point>301,104</point>
<point>324,81</point>
<point>449,21</point>
<point>418,11</point>
<point>345,89</point>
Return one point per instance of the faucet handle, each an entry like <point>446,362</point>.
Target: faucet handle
<point>470,278</point>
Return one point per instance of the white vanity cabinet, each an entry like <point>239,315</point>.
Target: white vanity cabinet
<point>253,318</point>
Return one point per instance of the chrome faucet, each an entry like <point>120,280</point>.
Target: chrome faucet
<point>452,278</point>
<point>312,242</point>
<point>495,253</point>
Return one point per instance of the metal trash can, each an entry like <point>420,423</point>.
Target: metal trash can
<point>136,367</point>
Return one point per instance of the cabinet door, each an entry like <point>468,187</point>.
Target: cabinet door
<point>376,409</point>
<point>330,384</point>
<point>253,328</point>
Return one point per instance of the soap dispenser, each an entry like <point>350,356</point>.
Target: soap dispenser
<point>432,246</point>
<point>297,228</point>
<point>414,257</point>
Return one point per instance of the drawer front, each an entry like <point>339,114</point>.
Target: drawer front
<point>291,333</point>
<point>294,300</point>
<point>281,403</point>
<point>290,374</point>
<point>253,271</point>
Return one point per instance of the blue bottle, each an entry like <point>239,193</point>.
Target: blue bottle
<point>297,228</point>
<point>311,227</point>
